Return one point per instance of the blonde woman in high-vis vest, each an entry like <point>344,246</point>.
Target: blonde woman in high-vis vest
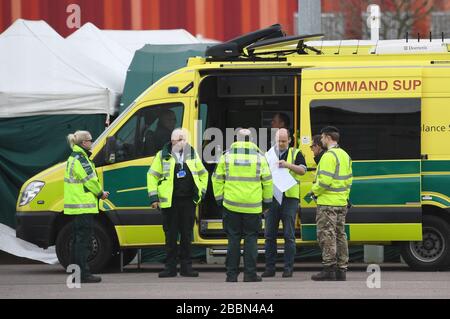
<point>82,190</point>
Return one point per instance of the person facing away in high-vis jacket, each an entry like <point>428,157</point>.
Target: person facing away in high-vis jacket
<point>176,183</point>
<point>242,184</point>
<point>331,190</point>
<point>82,190</point>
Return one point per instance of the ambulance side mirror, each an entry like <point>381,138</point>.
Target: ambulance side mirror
<point>110,150</point>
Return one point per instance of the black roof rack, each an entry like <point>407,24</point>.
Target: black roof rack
<point>234,48</point>
<point>300,40</point>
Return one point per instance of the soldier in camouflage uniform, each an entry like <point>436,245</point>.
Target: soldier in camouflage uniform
<point>332,237</point>
<point>331,190</point>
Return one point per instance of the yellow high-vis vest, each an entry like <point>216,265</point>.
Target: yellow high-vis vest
<point>294,191</point>
<point>81,186</point>
<point>242,179</point>
<point>334,178</point>
<point>161,173</point>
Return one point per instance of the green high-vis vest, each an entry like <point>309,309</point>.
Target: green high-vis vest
<point>294,191</point>
<point>161,173</point>
<point>242,179</point>
<point>82,188</point>
<point>334,178</point>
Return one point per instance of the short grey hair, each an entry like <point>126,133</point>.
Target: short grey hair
<point>180,131</point>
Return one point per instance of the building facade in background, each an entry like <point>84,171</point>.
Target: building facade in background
<point>225,19</point>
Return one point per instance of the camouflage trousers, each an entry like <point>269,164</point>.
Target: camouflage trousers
<point>331,236</point>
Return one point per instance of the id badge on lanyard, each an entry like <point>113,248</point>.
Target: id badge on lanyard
<point>181,173</point>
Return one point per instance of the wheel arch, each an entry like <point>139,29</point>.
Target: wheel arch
<point>438,238</point>
<point>437,211</point>
<point>61,220</point>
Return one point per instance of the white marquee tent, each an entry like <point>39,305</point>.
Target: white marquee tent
<point>94,43</point>
<point>116,48</point>
<point>42,74</point>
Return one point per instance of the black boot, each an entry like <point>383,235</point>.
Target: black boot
<point>327,274</point>
<point>341,275</point>
<point>166,273</point>
<point>268,273</point>
<point>254,278</point>
<point>187,271</point>
<point>91,279</point>
<point>287,273</point>
<point>231,278</point>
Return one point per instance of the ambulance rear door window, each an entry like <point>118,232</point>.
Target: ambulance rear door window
<point>372,129</point>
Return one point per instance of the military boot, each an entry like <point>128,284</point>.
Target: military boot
<point>341,274</point>
<point>327,274</point>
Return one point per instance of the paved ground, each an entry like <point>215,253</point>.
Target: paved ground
<point>44,281</point>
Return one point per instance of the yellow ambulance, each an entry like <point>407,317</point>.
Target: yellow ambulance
<point>390,100</point>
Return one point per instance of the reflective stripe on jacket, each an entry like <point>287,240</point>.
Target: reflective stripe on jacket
<point>334,178</point>
<point>161,173</point>
<point>242,179</point>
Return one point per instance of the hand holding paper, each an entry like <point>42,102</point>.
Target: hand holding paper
<point>281,178</point>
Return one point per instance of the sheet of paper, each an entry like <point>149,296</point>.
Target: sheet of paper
<point>278,195</point>
<point>281,177</point>
<point>272,159</point>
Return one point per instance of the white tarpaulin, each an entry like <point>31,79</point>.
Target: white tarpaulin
<point>94,43</point>
<point>42,74</point>
<point>21,248</point>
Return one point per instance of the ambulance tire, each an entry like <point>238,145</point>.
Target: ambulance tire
<point>433,253</point>
<point>101,247</point>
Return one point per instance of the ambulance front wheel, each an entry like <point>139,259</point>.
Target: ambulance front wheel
<point>433,252</point>
<point>101,247</point>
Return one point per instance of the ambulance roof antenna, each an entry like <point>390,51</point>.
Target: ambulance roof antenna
<point>339,49</point>
<point>357,48</point>
<point>373,21</point>
<point>418,37</point>
<point>406,36</point>
<point>442,35</point>
<point>375,49</point>
<point>430,37</point>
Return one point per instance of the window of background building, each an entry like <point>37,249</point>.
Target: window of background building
<point>333,26</point>
<point>393,26</point>
<point>440,22</point>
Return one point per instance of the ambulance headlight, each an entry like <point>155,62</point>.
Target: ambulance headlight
<point>30,192</point>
